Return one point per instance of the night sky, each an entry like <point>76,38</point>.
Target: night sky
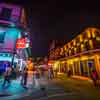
<point>57,19</point>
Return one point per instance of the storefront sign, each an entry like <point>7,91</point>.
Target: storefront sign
<point>21,43</point>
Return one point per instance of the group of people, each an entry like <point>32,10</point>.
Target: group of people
<point>51,74</point>
<point>9,72</point>
<point>7,75</point>
<point>42,73</point>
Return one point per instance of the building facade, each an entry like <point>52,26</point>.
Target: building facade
<point>14,35</point>
<point>81,55</point>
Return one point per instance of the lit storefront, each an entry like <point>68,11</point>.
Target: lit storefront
<point>81,55</point>
<point>14,35</point>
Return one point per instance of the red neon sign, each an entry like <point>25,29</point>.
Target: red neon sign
<point>21,43</point>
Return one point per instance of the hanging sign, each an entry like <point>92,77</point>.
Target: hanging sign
<point>21,43</point>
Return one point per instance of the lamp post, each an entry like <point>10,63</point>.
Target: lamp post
<point>14,52</point>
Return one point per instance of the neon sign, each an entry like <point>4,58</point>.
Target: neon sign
<point>21,43</point>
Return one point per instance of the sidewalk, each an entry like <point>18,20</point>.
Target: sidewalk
<point>78,80</point>
<point>15,90</point>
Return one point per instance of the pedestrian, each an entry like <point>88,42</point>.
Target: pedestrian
<point>7,76</point>
<point>56,73</point>
<point>94,77</point>
<point>69,73</point>
<point>50,73</point>
<point>42,72</point>
<point>24,77</point>
<point>36,78</point>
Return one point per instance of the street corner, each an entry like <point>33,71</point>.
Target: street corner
<point>15,91</point>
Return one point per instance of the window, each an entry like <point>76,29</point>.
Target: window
<point>76,68</point>
<point>72,51</point>
<point>78,49</point>
<point>91,65</point>
<point>5,13</point>
<point>69,52</point>
<point>2,36</point>
<point>87,46</point>
<point>71,43</point>
<point>74,42</point>
<point>75,50</point>
<point>82,47</point>
<point>97,33</point>
<point>96,44</point>
<point>62,52</point>
<point>77,40</point>
<point>78,44</point>
<point>65,48</point>
<point>85,36</point>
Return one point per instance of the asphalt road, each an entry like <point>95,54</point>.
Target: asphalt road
<point>62,89</point>
<point>70,89</point>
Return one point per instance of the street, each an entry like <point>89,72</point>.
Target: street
<point>49,50</point>
<point>72,89</point>
<point>56,89</point>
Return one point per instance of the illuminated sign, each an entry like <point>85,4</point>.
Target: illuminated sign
<point>21,43</point>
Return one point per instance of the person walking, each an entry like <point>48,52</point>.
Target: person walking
<point>94,77</point>
<point>7,75</point>
<point>36,78</point>
<point>50,73</point>
<point>24,77</point>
